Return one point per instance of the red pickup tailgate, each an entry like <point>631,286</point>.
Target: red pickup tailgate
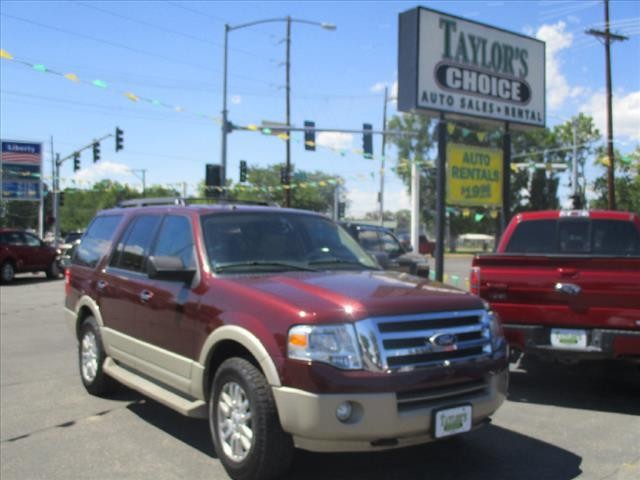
<point>597,292</point>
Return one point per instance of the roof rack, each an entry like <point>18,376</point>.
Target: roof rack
<point>152,202</point>
<point>182,202</point>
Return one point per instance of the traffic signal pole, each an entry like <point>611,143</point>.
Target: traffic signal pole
<point>56,179</point>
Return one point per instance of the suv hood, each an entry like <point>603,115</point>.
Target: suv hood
<point>340,296</point>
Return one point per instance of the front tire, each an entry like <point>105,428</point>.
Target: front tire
<point>91,358</point>
<point>7,272</point>
<point>244,423</point>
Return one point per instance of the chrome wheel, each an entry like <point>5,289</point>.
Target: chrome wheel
<point>234,422</point>
<point>89,356</point>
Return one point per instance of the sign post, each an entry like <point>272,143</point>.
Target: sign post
<point>469,71</point>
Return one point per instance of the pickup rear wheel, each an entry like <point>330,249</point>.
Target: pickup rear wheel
<point>244,423</point>
<point>91,357</point>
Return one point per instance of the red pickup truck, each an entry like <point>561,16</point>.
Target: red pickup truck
<point>566,284</point>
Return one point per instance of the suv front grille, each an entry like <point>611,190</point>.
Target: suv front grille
<point>430,397</point>
<point>405,343</point>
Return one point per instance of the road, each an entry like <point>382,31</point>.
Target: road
<point>559,422</point>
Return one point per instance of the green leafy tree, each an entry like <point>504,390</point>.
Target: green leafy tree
<point>311,190</point>
<point>81,205</point>
<point>627,182</point>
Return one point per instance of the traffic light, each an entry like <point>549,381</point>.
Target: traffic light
<point>76,161</point>
<point>283,175</point>
<point>310,136</point>
<point>213,179</point>
<point>367,140</point>
<point>96,152</point>
<point>341,209</point>
<point>243,171</point>
<point>119,139</point>
<point>60,198</point>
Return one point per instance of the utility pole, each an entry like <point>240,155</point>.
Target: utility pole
<point>608,38</point>
<point>384,146</point>
<point>574,166</point>
<point>143,177</point>
<point>288,88</point>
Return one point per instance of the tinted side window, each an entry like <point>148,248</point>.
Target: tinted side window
<point>97,241</point>
<point>134,247</point>
<point>536,236</point>
<point>176,240</point>
<point>614,237</point>
<point>389,243</point>
<point>369,240</point>
<point>31,240</point>
<point>11,238</point>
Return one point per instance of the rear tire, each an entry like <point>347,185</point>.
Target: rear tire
<point>244,423</point>
<point>53,271</point>
<point>91,358</point>
<point>7,272</point>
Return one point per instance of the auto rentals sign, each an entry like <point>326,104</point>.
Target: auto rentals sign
<point>474,176</point>
<point>463,68</point>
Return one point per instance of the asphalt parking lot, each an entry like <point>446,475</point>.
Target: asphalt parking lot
<point>559,422</point>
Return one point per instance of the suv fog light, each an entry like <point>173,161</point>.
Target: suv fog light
<point>344,411</point>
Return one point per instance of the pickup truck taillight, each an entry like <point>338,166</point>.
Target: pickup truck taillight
<point>474,280</point>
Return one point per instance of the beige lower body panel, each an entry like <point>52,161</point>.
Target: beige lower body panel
<point>312,421</point>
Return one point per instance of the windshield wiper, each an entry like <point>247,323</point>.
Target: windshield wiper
<point>340,261</point>
<point>262,263</point>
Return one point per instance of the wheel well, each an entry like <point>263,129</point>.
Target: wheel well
<point>82,314</point>
<point>221,352</point>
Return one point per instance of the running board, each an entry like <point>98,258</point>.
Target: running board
<point>189,408</point>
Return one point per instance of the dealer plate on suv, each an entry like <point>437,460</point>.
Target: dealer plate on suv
<point>452,420</point>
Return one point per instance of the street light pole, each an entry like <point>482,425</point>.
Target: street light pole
<point>288,91</point>
<point>225,122</point>
<point>223,173</point>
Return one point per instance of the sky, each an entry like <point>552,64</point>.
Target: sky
<point>171,52</point>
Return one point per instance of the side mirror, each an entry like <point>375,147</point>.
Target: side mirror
<point>169,268</point>
<point>408,248</point>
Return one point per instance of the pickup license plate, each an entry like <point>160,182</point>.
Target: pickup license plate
<point>564,338</point>
<point>452,420</point>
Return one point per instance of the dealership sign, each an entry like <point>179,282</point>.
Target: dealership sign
<point>474,176</point>
<point>21,165</point>
<point>462,68</point>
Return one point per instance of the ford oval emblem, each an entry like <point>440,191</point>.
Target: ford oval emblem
<point>442,340</point>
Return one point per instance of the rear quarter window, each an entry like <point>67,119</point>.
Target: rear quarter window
<point>97,241</point>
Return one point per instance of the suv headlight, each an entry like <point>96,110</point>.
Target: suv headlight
<point>336,345</point>
<point>492,321</point>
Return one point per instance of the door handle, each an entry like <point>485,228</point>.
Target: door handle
<point>101,285</point>
<point>568,288</point>
<point>145,296</point>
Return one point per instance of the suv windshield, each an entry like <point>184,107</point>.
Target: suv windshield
<point>274,241</point>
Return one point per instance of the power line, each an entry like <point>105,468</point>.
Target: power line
<point>106,42</point>
<point>168,30</point>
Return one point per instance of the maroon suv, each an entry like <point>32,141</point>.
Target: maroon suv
<point>276,326</point>
<point>24,252</point>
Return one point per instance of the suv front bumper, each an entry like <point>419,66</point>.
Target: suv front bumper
<point>380,420</point>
